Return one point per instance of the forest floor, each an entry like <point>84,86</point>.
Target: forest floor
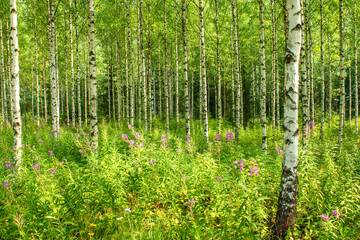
<point>158,185</point>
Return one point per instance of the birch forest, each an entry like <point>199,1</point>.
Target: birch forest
<point>179,119</point>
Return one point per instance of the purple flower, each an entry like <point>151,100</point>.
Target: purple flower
<point>137,135</point>
<point>131,143</point>
<point>51,153</point>
<point>337,214</point>
<point>312,123</point>
<point>191,202</point>
<point>129,126</point>
<point>219,179</point>
<point>40,141</point>
<point>9,165</point>
<point>229,136</point>
<point>125,137</point>
<point>6,184</point>
<point>325,217</point>
<point>239,164</point>
<point>81,152</point>
<point>36,166</point>
<point>178,150</point>
<point>53,171</point>
<point>184,128</point>
<point>152,162</point>
<point>218,137</point>
<point>254,171</point>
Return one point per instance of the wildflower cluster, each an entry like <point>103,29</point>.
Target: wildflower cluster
<point>9,165</point>
<point>218,137</point>
<point>336,214</point>
<point>277,148</point>
<point>229,136</point>
<point>6,184</point>
<point>239,164</point>
<point>53,171</point>
<point>35,166</point>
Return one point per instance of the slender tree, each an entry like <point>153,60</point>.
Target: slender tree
<point>36,69</point>
<point>92,76</point>
<point>3,77</point>
<point>186,81</point>
<point>143,68</point>
<point>15,81</point>
<point>165,71</point>
<point>304,86</point>
<point>219,109</point>
<point>263,76</point>
<point>322,71</point>
<point>356,69</point>
<point>285,216</point>
<point>72,67</point>
<point>342,74</point>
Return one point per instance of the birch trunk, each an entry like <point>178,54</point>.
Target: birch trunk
<point>32,88</point>
<point>263,76</point>
<point>330,82</point>
<point>285,217</point>
<point>186,81</point>
<point>127,76</point>
<point>342,75</point>
<point>78,81</point>
<point>66,78</point>
<point>356,70</point>
<point>350,95</point>
<point>322,71</point>
<point>304,84</point>
<point>151,100</point>
<point>143,69</point>
<point>165,71</point>
<point>130,64</point>
<point>9,72</point>
<point>36,70</point>
<point>92,76</point>
<point>44,80</point>
<point>219,109</point>
<point>203,66</point>
<point>85,86</point>
<point>15,84</point>
<point>54,90</point>
<point>3,77</point>
<point>237,91</point>
<point>177,74</point>
<point>72,68</point>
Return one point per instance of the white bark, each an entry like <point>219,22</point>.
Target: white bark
<point>285,217</point>
<point>342,74</point>
<point>356,69</point>
<point>15,83</point>
<point>92,76</point>
<point>3,75</point>
<point>186,81</point>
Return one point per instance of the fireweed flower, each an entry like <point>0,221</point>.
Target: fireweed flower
<point>325,217</point>
<point>218,137</point>
<point>337,214</point>
<point>137,135</point>
<point>36,166</point>
<point>131,143</point>
<point>239,164</point>
<point>219,179</point>
<point>81,152</point>
<point>229,136</point>
<point>6,184</point>
<point>130,127</point>
<point>254,171</point>
<point>51,153</point>
<point>191,202</point>
<point>53,171</point>
<point>178,150</point>
<point>125,137</point>
<point>9,165</point>
<point>40,141</point>
<point>152,162</point>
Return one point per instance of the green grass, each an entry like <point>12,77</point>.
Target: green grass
<point>88,194</point>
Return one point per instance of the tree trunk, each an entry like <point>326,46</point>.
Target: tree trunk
<point>92,76</point>
<point>330,82</point>
<point>78,81</point>
<point>285,216</point>
<point>203,66</point>
<point>54,91</point>
<point>72,69</point>
<point>143,69</point>
<point>85,85</point>
<point>9,72</point>
<point>44,80</point>
<point>177,74</point>
<point>130,65</point>
<point>356,70</point>
<point>186,81</point>
<point>350,95</point>
<point>342,75</point>
<point>165,71</point>
<point>322,72</point>
<point>263,76</point>
<point>127,76</point>
<point>15,84</point>
<point>151,102</point>
<point>304,84</point>
<point>3,77</point>
<point>237,91</point>
<point>219,109</point>
<point>66,79</point>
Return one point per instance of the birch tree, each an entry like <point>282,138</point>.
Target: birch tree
<point>356,69</point>
<point>72,67</point>
<point>3,75</point>
<point>15,81</point>
<point>186,81</point>
<point>342,74</point>
<point>263,76</point>
<point>92,76</point>
<point>219,110</point>
<point>54,91</point>
<point>285,216</point>
<point>322,71</point>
